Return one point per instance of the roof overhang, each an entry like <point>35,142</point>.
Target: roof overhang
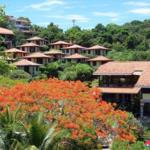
<point>112,74</point>
<point>108,90</point>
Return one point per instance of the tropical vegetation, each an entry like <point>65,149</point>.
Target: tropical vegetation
<point>60,114</point>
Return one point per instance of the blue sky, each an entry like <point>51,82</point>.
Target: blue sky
<point>87,13</point>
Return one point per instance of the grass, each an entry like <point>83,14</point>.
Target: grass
<point>7,82</point>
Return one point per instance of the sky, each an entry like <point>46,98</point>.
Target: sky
<point>86,13</point>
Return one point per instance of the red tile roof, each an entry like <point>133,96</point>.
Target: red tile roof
<point>6,31</point>
<point>97,47</point>
<point>14,50</point>
<point>128,68</point>
<point>60,42</point>
<point>37,55</point>
<point>75,46</point>
<point>76,56</point>
<point>29,45</point>
<point>100,58</point>
<point>24,62</point>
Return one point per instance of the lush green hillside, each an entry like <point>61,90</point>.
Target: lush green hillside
<point>128,42</point>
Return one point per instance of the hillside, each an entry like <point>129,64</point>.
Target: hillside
<point>128,42</point>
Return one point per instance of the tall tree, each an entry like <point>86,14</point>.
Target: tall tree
<point>3,17</point>
<point>52,33</point>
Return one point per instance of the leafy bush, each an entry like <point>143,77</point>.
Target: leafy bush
<point>68,75</point>
<point>68,71</point>
<point>7,82</point>
<point>124,145</point>
<point>19,74</point>
<point>5,68</point>
<point>84,72</point>
<point>52,69</point>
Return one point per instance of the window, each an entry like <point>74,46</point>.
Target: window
<point>94,63</point>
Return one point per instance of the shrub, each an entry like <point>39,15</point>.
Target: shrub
<point>68,75</point>
<point>84,72</point>
<point>7,82</point>
<point>52,69</point>
<point>5,68</point>
<point>19,74</point>
<point>124,145</point>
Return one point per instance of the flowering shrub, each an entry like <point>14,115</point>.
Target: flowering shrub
<point>72,105</point>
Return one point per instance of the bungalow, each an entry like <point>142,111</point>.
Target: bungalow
<point>15,53</point>
<point>28,66</point>
<point>7,37</point>
<point>127,83</point>
<point>22,25</point>
<point>97,50</point>
<point>77,58</point>
<point>39,58</point>
<point>74,49</point>
<point>57,54</point>
<point>60,45</point>
<point>30,47</point>
<point>99,60</point>
<point>37,40</point>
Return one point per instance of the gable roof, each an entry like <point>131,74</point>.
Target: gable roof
<point>75,46</point>
<point>100,58</point>
<point>128,68</point>
<point>76,56</point>
<point>61,42</point>
<point>35,38</point>
<point>53,51</point>
<point>6,31</point>
<point>29,45</point>
<point>37,55</point>
<point>24,62</point>
<point>14,50</point>
<point>97,47</point>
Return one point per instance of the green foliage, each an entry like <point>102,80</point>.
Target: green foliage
<point>52,69</point>
<point>52,33</point>
<point>45,48</point>
<point>126,40</point>
<point>68,71</point>
<point>19,37</point>
<point>129,55</point>
<point>73,34</point>
<point>68,75</point>
<point>7,82</point>
<point>11,135</point>
<point>5,68</point>
<point>84,72</point>
<point>38,130</point>
<point>19,74</point>
<point>3,18</point>
<point>120,145</point>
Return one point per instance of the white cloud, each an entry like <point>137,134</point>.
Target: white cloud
<point>46,4</point>
<point>142,11</point>
<point>76,17</point>
<point>113,16</point>
<point>106,14</point>
<point>139,4</point>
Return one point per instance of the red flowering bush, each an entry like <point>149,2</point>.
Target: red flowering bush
<point>74,107</point>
